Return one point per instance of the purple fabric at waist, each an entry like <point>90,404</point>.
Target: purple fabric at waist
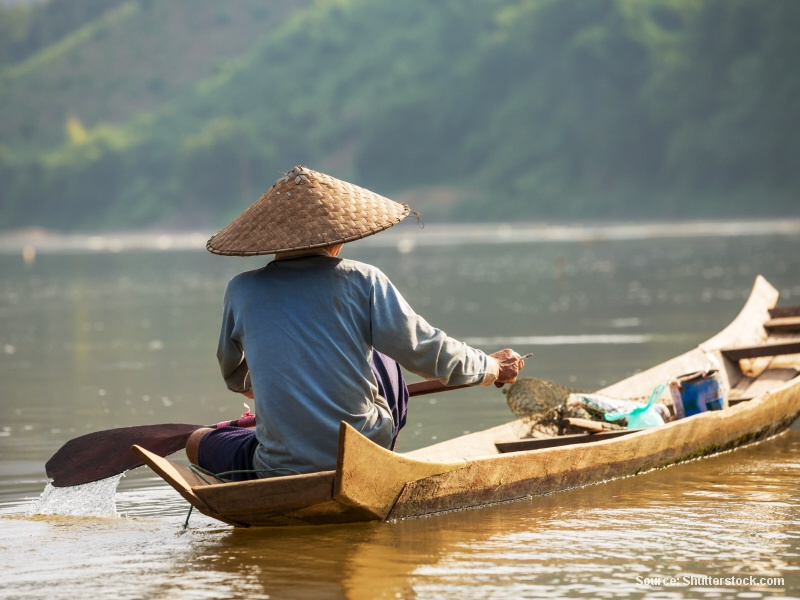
<point>228,449</point>
<point>392,386</point>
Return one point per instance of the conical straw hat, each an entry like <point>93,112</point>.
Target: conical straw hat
<point>304,210</point>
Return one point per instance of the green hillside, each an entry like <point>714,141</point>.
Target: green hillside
<point>133,57</point>
<point>183,111</point>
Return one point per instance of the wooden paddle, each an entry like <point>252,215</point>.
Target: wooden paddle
<point>102,454</point>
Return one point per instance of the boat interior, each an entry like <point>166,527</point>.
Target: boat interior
<point>757,353</point>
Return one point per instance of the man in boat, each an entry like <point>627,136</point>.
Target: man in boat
<point>316,339</point>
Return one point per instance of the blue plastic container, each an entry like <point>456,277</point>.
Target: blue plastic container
<point>697,392</point>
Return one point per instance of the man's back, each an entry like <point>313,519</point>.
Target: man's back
<point>311,316</point>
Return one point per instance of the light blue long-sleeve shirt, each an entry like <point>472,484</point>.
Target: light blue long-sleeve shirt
<point>300,332</point>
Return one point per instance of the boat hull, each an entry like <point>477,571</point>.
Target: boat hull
<point>538,472</point>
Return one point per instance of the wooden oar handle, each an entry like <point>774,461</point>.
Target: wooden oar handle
<point>434,386</point>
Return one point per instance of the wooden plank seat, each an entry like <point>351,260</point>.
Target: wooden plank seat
<point>734,354</point>
<point>783,325</point>
<point>780,312</point>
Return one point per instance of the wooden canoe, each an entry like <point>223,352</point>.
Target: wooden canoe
<point>759,367</point>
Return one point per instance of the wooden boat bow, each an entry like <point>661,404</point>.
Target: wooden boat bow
<point>371,478</point>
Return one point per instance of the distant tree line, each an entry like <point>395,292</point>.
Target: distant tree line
<point>527,109</point>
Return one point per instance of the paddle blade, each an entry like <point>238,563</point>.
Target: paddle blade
<point>107,453</point>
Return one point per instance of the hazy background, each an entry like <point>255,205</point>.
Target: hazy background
<point>177,114</point>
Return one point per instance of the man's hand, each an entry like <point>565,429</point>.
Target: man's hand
<point>248,394</point>
<point>510,363</point>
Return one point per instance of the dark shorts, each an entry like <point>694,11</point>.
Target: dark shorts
<point>231,448</point>
<point>228,449</point>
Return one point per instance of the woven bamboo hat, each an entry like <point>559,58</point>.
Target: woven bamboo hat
<point>305,210</point>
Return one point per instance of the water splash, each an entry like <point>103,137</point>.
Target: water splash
<point>96,499</point>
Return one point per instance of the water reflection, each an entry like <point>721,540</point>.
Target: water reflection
<point>729,516</point>
<point>92,342</point>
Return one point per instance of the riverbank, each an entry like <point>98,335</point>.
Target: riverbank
<point>407,235</point>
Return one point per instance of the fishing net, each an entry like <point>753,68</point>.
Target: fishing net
<point>539,404</point>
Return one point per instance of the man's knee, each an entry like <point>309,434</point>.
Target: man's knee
<point>193,444</point>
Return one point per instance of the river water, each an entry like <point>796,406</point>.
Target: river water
<point>102,335</point>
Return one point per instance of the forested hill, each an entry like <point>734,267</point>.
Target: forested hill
<point>127,113</point>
